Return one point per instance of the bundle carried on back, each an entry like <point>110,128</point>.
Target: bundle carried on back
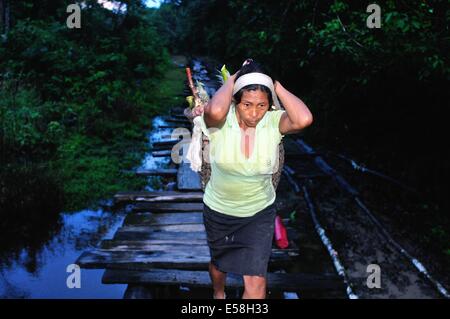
<point>198,148</point>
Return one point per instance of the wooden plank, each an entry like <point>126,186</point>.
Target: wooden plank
<point>166,142</point>
<point>173,126</point>
<point>169,144</point>
<point>283,281</point>
<point>199,227</point>
<point>171,118</point>
<point>138,232</point>
<point>135,245</point>
<point>187,228</point>
<point>288,294</point>
<point>187,179</point>
<point>162,153</point>
<point>177,120</point>
<point>162,218</point>
<point>158,219</point>
<point>161,148</point>
<point>155,194</point>
<point>169,196</point>
<point>179,198</point>
<point>178,236</point>
<point>142,245</point>
<point>170,241</point>
<point>138,292</point>
<point>168,207</point>
<point>157,172</point>
<point>194,231</point>
<point>96,259</point>
<point>139,260</point>
<point>139,246</point>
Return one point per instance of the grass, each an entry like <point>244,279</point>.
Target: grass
<point>89,169</point>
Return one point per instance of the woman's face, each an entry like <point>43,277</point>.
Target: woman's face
<point>254,104</point>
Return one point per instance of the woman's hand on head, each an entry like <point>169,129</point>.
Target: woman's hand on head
<point>232,80</point>
<point>233,77</point>
<point>276,85</point>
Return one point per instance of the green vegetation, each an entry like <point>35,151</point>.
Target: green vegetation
<point>76,104</point>
<point>91,169</point>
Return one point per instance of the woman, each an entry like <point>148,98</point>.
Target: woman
<point>244,130</point>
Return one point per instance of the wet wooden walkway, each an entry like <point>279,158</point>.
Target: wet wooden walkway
<point>162,241</point>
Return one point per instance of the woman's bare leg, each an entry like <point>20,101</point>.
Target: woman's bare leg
<point>218,280</point>
<point>255,287</point>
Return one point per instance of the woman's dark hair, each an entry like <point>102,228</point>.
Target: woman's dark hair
<point>251,67</point>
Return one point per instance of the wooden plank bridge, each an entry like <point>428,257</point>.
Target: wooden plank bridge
<point>162,241</point>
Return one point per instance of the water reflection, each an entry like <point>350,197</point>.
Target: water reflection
<point>39,270</point>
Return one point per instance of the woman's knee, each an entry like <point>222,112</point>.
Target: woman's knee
<point>255,284</point>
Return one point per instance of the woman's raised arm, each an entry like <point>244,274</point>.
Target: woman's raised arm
<point>216,109</point>
<point>297,115</point>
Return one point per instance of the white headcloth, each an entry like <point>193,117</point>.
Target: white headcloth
<point>257,78</point>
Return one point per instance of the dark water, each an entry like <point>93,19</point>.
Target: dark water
<point>36,266</point>
<point>40,272</point>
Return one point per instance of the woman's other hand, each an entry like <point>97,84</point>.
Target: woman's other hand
<point>233,77</point>
<point>275,85</point>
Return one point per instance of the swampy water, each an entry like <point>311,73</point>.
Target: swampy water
<point>38,266</point>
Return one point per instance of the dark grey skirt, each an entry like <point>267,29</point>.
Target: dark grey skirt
<point>240,245</point>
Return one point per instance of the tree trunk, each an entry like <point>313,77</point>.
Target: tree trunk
<point>2,15</point>
<point>7,17</point>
